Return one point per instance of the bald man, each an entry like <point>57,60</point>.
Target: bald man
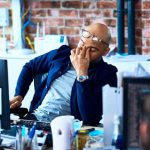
<point>74,82</point>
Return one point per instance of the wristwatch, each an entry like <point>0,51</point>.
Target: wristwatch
<point>82,78</point>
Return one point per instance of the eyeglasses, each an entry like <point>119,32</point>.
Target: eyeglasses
<point>87,34</point>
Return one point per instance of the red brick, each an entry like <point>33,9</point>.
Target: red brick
<point>110,22</point>
<point>139,50</point>
<point>53,30</point>
<point>39,12</point>
<point>6,4</point>
<point>138,32</point>
<point>86,4</point>
<point>138,42</point>
<point>53,12</point>
<point>89,13</point>
<point>46,4</point>
<point>138,14</point>
<point>146,5</point>
<point>148,42</point>
<point>54,21</point>
<point>106,4</point>
<point>74,22</point>
<point>72,4</point>
<point>68,13</point>
<point>126,40</point>
<point>138,5</point>
<point>107,13</point>
<point>146,33</point>
<point>37,20</point>
<point>69,31</point>
<point>145,14</point>
<point>74,39</point>
<point>146,51</point>
<point>143,41</point>
<point>138,23</point>
<point>146,23</point>
<point>88,21</point>
<point>34,4</point>
<point>113,40</point>
<point>30,29</point>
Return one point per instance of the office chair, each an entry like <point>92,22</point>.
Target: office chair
<point>20,111</point>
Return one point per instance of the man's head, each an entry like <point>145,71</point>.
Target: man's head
<point>96,38</point>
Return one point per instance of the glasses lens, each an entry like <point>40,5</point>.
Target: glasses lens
<point>95,39</point>
<point>85,33</point>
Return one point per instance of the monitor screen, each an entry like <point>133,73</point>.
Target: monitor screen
<point>4,96</point>
<point>134,91</point>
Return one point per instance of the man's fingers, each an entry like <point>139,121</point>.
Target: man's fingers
<point>87,55</point>
<point>78,50</point>
<point>11,102</point>
<point>15,104</point>
<point>83,52</point>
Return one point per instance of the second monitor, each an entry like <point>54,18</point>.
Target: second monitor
<point>4,96</point>
<point>135,90</point>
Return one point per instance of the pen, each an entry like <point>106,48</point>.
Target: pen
<point>32,131</point>
<point>31,134</point>
<point>24,140</point>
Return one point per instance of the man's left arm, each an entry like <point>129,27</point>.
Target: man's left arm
<point>89,96</point>
<point>89,102</point>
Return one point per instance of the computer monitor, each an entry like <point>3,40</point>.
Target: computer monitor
<point>134,92</point>
<point>4,96</point>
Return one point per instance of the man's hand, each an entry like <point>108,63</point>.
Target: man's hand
<point>80,60</point>
<point>16,101</point>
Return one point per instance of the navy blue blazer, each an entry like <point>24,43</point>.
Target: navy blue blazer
<point>86,97</point>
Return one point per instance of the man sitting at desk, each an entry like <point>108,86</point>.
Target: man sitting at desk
<point>75,79</point>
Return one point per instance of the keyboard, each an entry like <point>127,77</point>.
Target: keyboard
<point>40,125</point>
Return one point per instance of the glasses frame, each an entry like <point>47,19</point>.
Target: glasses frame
<point>93,37</point>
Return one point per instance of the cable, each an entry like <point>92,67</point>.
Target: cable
<point>29,43</point>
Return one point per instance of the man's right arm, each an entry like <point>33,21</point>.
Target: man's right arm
<point>30,70</point>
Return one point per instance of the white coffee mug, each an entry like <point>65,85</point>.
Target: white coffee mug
<point>62,132</point>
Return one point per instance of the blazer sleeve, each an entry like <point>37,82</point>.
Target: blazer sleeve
<point>89,96</point>
<point>40,64</point>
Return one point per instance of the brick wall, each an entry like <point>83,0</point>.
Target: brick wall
<point>68,16</point>
<point>145,27</point>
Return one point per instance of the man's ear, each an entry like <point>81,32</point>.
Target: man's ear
<point>106,50</point>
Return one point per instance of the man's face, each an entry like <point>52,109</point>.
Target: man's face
<point>95,44</point>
